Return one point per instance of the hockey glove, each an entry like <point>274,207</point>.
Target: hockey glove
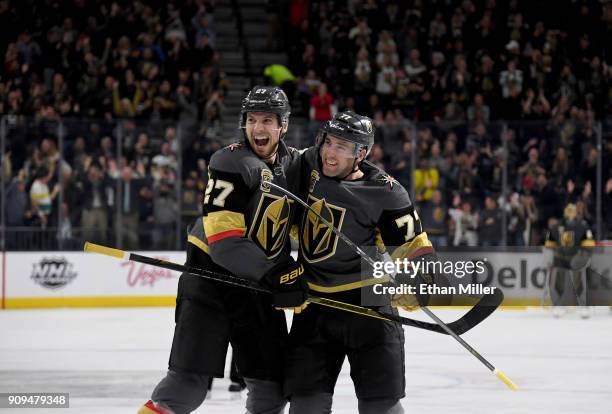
<point>425,277</point>
<point>289,286</point>
<point>412,302</point>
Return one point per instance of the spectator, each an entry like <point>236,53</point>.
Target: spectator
<point>433,215</point>
<point>280,75</point>
<point>535,109</point>
<point>386,48</point>
<point>511,78</point>
<point>360,34</point>
<point>546,197</point>
<point>414,67</point>
<point>322,109</point>
<point>530,170</point>
<point>363,76</point>
<point>533,234</point>
<point>478,111</point>
<point>463,223</point>
<point>426,180</point>
<point>490,224</point>
<point>377,156</point>
<point>165,210</point>
<point>454,114</point>
<point>517,221</point>
<point>40,195</point>
<point>386,82</point>
<point>17,202</point>
<point>460,80</point>
<point>129,200</point>
<point>401,165</point>
<point>95,190</point>
<point>562,167</point>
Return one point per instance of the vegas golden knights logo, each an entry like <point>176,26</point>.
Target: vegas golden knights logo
<point>567,238</point>
<point>318,241</point>
<point>270,226</point>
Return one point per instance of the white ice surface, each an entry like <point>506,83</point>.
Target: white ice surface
<point>109,360</point>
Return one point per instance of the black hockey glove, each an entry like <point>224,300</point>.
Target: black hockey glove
<point>289,286</point>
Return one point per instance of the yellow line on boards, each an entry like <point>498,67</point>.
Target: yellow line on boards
<point>89,302</point>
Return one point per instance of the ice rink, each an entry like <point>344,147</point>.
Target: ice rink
<point>109,360</point>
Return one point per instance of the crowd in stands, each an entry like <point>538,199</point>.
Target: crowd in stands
<point>458,89</point>
<point>124,78</point>
<point>480,84</point>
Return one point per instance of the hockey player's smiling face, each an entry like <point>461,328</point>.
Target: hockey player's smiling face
<point>337,156</point>
<point>263,132</point>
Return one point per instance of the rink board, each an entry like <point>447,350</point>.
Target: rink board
<point>77,279</point>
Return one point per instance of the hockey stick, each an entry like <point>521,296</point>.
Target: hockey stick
<point>429,313</point>
<point>459,326</point>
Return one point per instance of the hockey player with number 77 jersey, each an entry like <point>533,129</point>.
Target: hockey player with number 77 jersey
<point>374,211</point>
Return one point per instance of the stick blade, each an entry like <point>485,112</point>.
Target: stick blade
<point>107,251</point>
<point>506,380</point>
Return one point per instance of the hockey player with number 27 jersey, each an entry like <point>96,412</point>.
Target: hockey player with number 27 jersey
<point>243,233</point>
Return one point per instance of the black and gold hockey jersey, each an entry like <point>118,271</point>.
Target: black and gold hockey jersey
<point>568,238</point>
<point>246,223</point>
<point>375,212</point>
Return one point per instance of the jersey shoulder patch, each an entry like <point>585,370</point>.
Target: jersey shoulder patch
<point>392,194</point>
<point>386,179</point>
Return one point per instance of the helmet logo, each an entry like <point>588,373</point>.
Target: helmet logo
<point>368,125</point>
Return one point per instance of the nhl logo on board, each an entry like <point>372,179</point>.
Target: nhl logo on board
<point>53,273</point>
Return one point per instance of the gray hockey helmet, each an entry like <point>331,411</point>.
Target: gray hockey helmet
<point>351,127</point>
<point>266,99</point>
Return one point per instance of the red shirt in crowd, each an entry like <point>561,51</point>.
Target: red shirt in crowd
<point>322,106</point>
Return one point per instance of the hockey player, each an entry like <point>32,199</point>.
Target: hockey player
<point>571,241</point>
<point>372,209</point>
<point>244,233</point>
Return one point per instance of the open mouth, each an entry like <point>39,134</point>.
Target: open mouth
<point>331,163</point>
<point>261,142</point>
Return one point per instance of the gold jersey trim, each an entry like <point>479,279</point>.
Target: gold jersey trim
<point>222,221</point>
<point>198,243</point>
